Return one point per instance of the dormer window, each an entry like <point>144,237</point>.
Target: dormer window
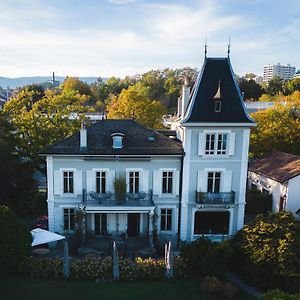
<point>218,106</point>
<point>117,140</point>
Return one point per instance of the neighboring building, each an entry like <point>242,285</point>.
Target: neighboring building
<point>285,72</point>
<point>190,179</point>
<point>297,74</point>
<point>277,173</point>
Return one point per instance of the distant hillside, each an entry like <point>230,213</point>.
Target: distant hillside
<point>21,81</point>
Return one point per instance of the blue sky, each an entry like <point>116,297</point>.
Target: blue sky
<point>126,37</point>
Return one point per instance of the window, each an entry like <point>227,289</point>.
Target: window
<point>210,144</point>
<point>211,222</point>
<point>100,182</point>
<point>222,143</point>
<point>265,191</point>
<point>69,218</point>
<point>167,182</point>
<point>213,182</point>
<point>117,140</point>
<point>216,148</point>
<point>253,187</point>
<point>218,106</point>
<point>134,182</point>
<point>68,182</point>
<point>166,219</point>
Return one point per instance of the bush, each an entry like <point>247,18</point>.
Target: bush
<point>206,258</point>
<point>279,295</point>
<point>15,241</point>
<point>100,269</point>
<point>258,203</point>
<point>229,290</point>
<point>269,248</point>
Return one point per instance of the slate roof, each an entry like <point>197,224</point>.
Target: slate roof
<point>279,166</point>
<point>201,107</point>
<point>135,142</point>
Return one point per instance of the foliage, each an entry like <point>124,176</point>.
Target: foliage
<point>100,269</point>
<point>277,128</point>
<point>38,124</point>
<point>133,104</point>
<point>213,285</point>
<point>269,248</point>
<point>258,202</point>
<point>251,89</point>
<point>279,295</point>
<point>275,86</point>
<point>205,257</point>
<point>291,86</point>
<point>15,241</point>
<point>18,189</point>
<point>76,85</point>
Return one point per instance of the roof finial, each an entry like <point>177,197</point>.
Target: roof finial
<point>228,48</point>
<point>205,47</point>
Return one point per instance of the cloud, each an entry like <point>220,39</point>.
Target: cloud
<point>121,1</point>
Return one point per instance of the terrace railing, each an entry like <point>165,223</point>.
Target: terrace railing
<point>215,198</point>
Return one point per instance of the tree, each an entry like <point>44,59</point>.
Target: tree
<point>291,86</point>
<point>74,84</point>
<point>250,76</point>
<point>277,128</point>
<point>133,104</point>
<point>275,86</point>
<point>15,241</point>
<point>251,89</point>
<point>18,189</point>
<point>39,124</point>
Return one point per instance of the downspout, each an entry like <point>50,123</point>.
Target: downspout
<point>180,196</point>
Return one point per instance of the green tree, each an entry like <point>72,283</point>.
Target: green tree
<point>74,84</point>
<point>132,104</point>
<point>37,125</point>
<point>291,86</point>
<point>15,241</point>
<point>251,89</point>
<point>275,86</point>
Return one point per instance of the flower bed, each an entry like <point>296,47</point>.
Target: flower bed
<point>96,268</point>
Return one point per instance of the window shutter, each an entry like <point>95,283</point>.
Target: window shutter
<point>202,181</point>
<point>110,179</point>
<point>177,182</point>
<point>90,181</point>
<point>227,181</point>
<point>145,181</point>
<point>57,181</point>
<point>231,143</point>
<point>78,182</point>
<point>201,143</point>
<point>157,183</point>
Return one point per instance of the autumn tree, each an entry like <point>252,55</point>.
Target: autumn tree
<point>134,104</point>
<point>75,84</point>
<point>277,128</point>
<point>291,86</point>
<point>38,124</point>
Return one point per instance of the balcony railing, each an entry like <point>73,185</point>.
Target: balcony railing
<point>215,198</point>
<point>111,199</point>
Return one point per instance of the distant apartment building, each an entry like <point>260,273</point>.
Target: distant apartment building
<point>285,72</point>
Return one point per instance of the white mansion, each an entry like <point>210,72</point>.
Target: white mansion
<point>188,181</point>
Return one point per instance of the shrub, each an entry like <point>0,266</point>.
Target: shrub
<point>229,290</point>
<point>206,258</point>
<point>269,248</point>
<point>211,284</point>
<point>15,241</point>
<point>100,269</point>
<point>258,203</point>
<point>279,295</point>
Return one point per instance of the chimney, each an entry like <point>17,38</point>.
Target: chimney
<point>83,137</point>
<point>185,96</point>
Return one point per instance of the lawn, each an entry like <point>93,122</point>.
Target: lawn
<point>29,288</point>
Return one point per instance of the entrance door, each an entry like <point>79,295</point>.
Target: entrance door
<point>133,225</point>
<point>100,224</point>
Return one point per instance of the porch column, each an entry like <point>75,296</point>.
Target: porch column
<point>141,224</point>
<point>93,222</point>
<point>151,219</point>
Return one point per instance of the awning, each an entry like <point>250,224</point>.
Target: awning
<point>41,236</point>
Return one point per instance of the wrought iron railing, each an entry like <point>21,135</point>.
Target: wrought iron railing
<point>215,198</point>
<point>112,199</point>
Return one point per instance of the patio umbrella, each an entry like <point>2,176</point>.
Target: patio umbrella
<point>66,267</point>
<point>116,272</point>
<point>169,260</point>
<point>42,236</point>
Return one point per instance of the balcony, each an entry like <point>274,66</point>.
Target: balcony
<point>215,198</point>
<point>111,199</point>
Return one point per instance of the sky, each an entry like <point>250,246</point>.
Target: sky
<point>128,37</point>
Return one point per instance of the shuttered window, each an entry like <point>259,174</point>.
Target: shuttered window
<point>68,182</point>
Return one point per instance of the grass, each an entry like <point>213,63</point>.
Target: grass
<point>28,288</point>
